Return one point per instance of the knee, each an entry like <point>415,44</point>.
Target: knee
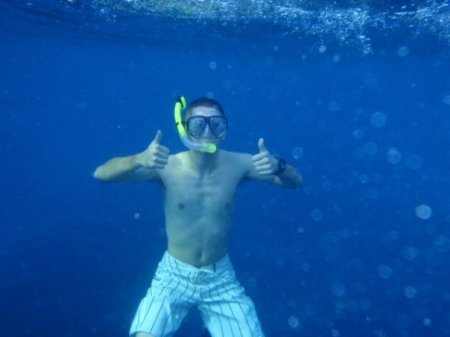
<point>141,334</point>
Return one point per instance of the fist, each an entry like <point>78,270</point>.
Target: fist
<point>263,162</point>
<point>156,155</point>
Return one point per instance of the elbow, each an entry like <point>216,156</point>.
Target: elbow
<point>299,182</point>
<point>99,175</point>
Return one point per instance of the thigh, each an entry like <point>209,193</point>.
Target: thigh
<point>228,312</point>
<point>162,310</point>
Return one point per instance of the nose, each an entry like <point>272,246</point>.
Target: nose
<point>207,131</point>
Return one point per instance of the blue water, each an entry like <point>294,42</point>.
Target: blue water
<point>356,96</point>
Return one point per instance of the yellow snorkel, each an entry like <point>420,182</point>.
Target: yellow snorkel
<point>180,105</point>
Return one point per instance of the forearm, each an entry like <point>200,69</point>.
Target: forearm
<point>290,178</point>
<point>118,169</point>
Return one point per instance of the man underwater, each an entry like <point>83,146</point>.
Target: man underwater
<point>199,192</point>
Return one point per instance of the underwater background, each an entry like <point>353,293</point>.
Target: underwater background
<point>355,94</point>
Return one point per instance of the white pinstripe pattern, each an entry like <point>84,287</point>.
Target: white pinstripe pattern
<point>177,287</point>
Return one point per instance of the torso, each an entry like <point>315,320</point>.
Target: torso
<point>199,207</point>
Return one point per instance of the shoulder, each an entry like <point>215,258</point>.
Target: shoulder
<point>237,161</point>
<point>175,163</point>
<point>236,157</point>
<point>177,158</point>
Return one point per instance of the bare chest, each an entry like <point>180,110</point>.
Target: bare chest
<point>208,193</point>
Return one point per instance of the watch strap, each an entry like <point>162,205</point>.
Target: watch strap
<point>281,166</point>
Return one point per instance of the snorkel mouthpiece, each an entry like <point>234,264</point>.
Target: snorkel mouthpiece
<point>180,105</point>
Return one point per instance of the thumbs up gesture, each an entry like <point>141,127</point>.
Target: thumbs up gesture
<point>156,155</point>
<point>263,162</point>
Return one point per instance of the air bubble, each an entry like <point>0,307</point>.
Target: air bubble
<point>414,162</point>
<point>338,289</point>
<point>403,51</point>
<point>334,106</point>
<point>363,178</point>
<point>227,85</point>
<point>297,153</point>
<point>212,65</point>
<point>393,156</point>
<point>322,49</point>
<point>410,291</point>
<point>358,134</point>
<point>426,321</point>
<point>327,185</point>
<point>305,266</point>
<point>293,322</point>
<point>446,100</point>
<point>385,272</point>
<point>393,235</point>
<point>316,214</point>
<point>378,119</point>
<point>441,243</point>
<point>370,148</point>
<point>335,333</point>
<point>409,253</point>
<point>424,212</point>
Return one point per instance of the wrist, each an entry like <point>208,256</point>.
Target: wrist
<point>138,160</point>
<point>281,166</point>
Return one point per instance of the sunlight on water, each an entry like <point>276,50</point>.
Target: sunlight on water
<point>349,23</point>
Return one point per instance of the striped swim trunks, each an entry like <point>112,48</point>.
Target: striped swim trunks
<point>213,289</point>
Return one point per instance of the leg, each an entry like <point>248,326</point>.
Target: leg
<point>160,313</point>
<point>167,302</point>
<point>228,312</point>
<point>142,334</point>
<point>206,333</point>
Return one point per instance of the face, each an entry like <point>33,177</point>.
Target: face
<point>206,124</point>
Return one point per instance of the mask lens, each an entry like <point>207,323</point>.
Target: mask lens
<point>218,125</point>
<point>195,126</point>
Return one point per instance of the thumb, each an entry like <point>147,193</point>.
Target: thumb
<point>261,145</point>
<point>158,137</point>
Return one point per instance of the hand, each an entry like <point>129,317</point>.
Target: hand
<point>156,155</point>
<point>263,162</point>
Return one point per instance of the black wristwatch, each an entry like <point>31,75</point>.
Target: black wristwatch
<point>281,166</point>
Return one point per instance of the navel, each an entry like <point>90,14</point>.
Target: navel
<point>180,205</point>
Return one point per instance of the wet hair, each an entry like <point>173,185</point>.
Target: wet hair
<point>205,102</point>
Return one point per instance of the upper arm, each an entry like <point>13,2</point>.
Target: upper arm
<point>142,174</point>
<point>124,169</point>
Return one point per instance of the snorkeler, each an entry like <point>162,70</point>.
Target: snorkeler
<point>200,186</point>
